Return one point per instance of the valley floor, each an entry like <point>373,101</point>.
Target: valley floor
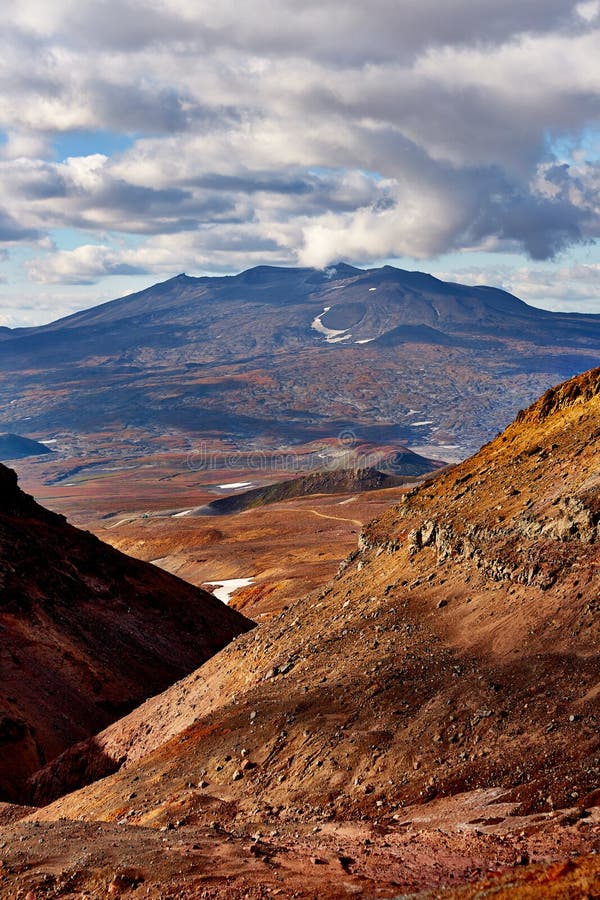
<point>428,852</point>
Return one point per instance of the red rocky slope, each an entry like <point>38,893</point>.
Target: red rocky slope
<point>457,650</point>
<point>86,633</point>
<point>454,659</point>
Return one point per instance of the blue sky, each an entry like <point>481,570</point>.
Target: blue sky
<point>84,143</point>
<point>142,138</point>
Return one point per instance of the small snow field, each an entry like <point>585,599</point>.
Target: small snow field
<point>224,590</point>
<point>332,336</point>
<point>233,485</point>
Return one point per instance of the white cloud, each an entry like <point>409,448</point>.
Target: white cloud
<point>278,131</point>
<point>566,287</point>
<point>84,265</point>
<point>589,10</point>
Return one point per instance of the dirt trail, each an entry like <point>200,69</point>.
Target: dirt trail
<point>324,516</point>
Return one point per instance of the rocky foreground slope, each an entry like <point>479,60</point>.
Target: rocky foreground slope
<point>429,716</point>
<point>86,634</point>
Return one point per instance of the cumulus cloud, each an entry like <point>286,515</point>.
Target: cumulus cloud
<point>588,10</point>
<point>12,231</point>
<point>322,29</point>
<point>563,287</point>
<point>84,265</point>
<point>285,132</point>
<point>211,249</point>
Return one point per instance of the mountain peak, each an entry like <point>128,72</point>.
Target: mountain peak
<point>377,321</point>
<point>579,389</point>
<point>343,268</point>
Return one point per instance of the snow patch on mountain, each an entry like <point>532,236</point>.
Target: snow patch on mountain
<point>332,336</point>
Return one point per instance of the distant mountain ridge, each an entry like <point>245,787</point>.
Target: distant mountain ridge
<point>291,355</point>
<point>336,481</point>
<point>14,446</point>
<point>422,298</point>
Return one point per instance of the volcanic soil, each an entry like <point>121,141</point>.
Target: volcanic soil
<point>288,549</point>
<point>427,718</point>
<point>87,633</point>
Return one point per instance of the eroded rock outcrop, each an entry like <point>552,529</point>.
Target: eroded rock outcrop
<point>513,507</point>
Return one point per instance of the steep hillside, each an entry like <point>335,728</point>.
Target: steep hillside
<point>457,651</point>
<point>87,634</point>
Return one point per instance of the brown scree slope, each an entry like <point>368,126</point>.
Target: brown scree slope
<point>86,634</point>
<point>457,650</point>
